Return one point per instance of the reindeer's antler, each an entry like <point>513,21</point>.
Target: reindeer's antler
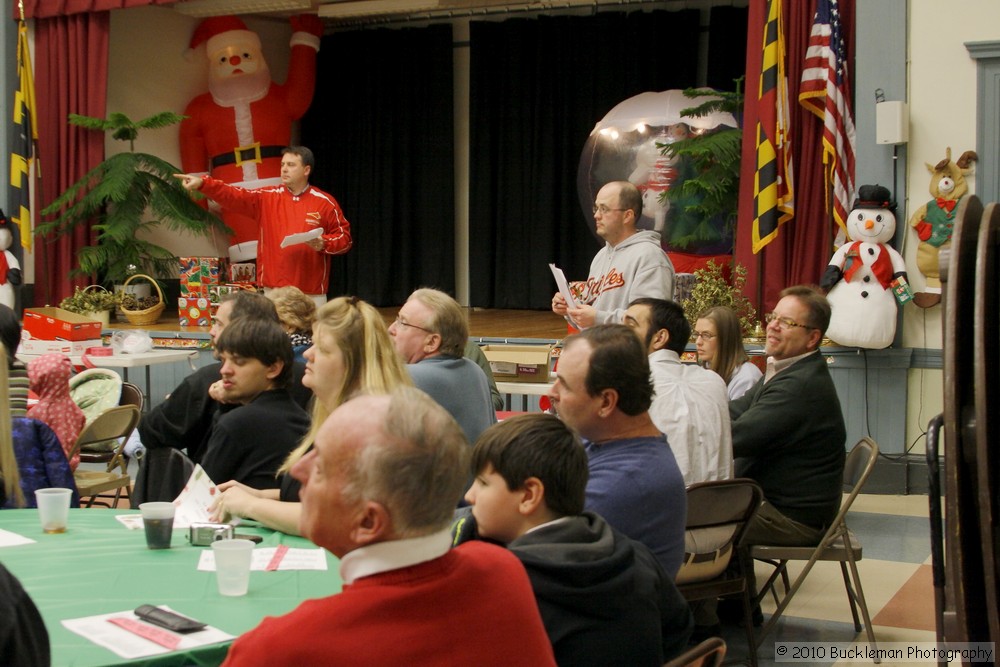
<point>968,157</point>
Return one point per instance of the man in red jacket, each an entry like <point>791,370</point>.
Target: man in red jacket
<point>236,130</point>
<point>294,207</point>
<point>378,491</point>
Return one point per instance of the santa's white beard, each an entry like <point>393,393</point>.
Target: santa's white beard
<point>241,87</point>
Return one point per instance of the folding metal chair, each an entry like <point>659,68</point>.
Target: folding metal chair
<point>100,452</point>
<point>838,544</point>
<point>114,424</point>
<point>709,653</point>
<point>723,508</point>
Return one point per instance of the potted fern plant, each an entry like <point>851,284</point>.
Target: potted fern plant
<point>124,194</point>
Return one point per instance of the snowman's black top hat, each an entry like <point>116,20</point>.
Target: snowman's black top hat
<point>874,196</point>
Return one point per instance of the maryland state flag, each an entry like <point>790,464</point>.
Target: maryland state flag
<point>773,190</point>
<point>22,156</point>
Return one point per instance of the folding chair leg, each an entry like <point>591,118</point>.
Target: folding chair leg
<point>779,569</point>
<point>860,594</point>
<point>773,620</point>
<point>850,596</point>
<point>748,626</point>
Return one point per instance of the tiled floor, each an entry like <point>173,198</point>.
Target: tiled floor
<point>895,572</point>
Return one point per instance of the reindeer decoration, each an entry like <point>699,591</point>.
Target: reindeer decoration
<point>935,220</point>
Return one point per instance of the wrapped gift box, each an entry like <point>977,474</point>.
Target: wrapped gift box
<point>198,274</point>
<point>195,311</point>
<point>243,273</point>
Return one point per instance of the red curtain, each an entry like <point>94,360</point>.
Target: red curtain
<point>71,76</point>
<point>49,8</point>
<point>803,247</point>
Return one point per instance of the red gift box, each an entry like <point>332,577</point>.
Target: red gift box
<point>195,311</point>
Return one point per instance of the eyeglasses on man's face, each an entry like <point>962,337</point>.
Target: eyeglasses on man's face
<point>785,323</point>
<point>604,210</point>
<point>400,322</point>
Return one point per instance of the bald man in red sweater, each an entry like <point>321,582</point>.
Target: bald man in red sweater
<point>378,491</point>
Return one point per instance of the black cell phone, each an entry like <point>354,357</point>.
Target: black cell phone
<point>168,619</point>
<point>256,539</point>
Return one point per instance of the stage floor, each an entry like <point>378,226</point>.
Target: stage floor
<point>483,323</point>
<point>496,323</point>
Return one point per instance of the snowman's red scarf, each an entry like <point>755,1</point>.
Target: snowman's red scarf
<point>881,267</point>
<point>4,267</point>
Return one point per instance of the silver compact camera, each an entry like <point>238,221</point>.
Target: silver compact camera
<point>203,534</point>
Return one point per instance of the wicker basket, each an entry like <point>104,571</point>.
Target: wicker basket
<point>149,315</point>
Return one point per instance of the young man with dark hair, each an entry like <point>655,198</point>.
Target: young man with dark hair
<point>184,419</point>
<point>603,597</point>
<point>691,404</point>
<point>249,444</point>
<point>603,392</point>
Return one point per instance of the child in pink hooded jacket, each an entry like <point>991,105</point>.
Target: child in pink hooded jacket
<point>49,377</point>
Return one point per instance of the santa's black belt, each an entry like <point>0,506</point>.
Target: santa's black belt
<point>247,154</point>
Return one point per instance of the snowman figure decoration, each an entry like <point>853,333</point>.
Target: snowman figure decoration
<point>866,276</point>
<point>10,268</point>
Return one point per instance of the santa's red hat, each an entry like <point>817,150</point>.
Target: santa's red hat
<point>217,32</point>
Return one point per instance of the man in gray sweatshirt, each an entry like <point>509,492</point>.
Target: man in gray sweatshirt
<point>631,265</point>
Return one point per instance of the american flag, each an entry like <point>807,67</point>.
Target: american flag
<point>826,91</point>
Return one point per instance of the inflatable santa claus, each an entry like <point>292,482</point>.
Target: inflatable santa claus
<point>235,131</point>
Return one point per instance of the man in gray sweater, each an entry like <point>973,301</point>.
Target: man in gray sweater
<point>630,265</point>
<point>430,334</point>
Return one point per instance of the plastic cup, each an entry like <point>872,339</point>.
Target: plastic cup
<point>158,521</point>
<point>232,566</point>
<point>53,508</point>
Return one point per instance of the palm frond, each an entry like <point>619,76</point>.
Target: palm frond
<point>126,193</point>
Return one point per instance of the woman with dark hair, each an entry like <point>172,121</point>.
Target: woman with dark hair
<point>719,342</point>
<point>17,372</point>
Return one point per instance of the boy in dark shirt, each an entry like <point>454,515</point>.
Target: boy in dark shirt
<point>603,597</point>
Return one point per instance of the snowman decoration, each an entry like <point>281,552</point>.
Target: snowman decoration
<point>10,268</point>
<point>866,276</point>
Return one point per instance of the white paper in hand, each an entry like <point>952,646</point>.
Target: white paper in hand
<point>193,502</point>
<point>564,289</point>
<point>302,237</point>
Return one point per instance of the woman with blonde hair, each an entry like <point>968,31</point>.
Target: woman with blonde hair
<point>351,354</point>
<point>719,341</point>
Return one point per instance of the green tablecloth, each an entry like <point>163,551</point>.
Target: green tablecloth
<point>98,566</point>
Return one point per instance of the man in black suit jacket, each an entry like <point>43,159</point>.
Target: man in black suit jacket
<point>788,430</point>
<point>788,436</point>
